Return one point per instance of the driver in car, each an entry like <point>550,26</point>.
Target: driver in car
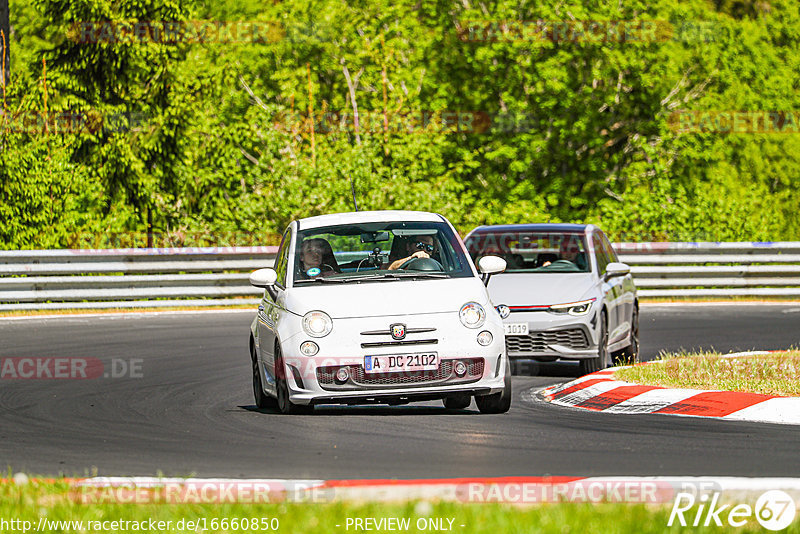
<point>569,251</point>
<point>419,247</point>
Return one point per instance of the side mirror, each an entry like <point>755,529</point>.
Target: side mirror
<point>263,278</point>
<point>489,265</point>
<point>616,268</point>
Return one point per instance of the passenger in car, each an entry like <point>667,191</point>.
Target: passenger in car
<point>316,253</point>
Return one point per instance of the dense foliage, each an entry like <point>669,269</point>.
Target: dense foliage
<point>485,111</point>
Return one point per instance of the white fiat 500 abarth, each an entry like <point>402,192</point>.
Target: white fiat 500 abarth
<point>377,307</point>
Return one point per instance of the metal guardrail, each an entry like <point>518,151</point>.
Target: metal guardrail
<point>709,269</point>
<point>120,278</point>
<point>124,278</point>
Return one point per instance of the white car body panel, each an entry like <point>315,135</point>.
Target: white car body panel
<point>532,289</point>
<point>368,216</point>
<point>382,299</point>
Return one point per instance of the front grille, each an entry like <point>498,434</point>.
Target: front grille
<point>325,376</point>
<point>573,338</point>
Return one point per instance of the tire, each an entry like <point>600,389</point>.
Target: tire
<point>630,354</point>
<point>285,405</point>
<point>592,365</point>
<point>262,399</point>
<point>457,402</point>
<point>497,402</point>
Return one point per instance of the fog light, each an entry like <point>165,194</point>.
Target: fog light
<point>309,348</point>
<point>461,368</point>
<point>485,338</point>
<point>342,374</point>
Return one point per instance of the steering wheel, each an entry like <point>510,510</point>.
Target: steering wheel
<point>422,264</point>
<point>560,266</point>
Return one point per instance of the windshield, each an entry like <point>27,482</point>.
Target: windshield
<point>539,252</point>
<point>378,251</point>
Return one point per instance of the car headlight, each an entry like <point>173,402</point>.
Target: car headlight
<point>572,308</point>
<point>472,315</point>
<point>317,324</point>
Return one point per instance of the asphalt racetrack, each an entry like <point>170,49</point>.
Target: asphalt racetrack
<point>183,406</point>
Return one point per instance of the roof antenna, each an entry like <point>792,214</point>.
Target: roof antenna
<point>353,189</point>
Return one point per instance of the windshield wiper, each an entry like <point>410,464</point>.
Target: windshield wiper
<point>324,280</point>
<point>417,274</point>
<point>383,276</point>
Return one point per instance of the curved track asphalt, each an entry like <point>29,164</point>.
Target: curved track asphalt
<point>191,412</point>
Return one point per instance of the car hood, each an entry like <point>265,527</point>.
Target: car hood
<point>383,298</point>
<point>537,289</point>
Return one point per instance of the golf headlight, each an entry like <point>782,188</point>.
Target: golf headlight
<point>572,308</point>
<point>317,324</point>
<point>472,315</point>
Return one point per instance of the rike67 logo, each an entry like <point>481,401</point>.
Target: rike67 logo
<point>774,510</point>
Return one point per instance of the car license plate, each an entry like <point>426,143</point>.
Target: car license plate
<point>516,329</point>
<point>392,363</point>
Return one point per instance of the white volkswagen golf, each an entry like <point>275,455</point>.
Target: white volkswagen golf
<point>564,294</point>
<point>377,307</point>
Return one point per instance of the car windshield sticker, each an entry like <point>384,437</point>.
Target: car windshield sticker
<point>314,271</point>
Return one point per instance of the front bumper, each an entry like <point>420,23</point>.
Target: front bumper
<point>397,398</point>
<point>306,389</point>
<point>554,336</point>
<point>311,380</point>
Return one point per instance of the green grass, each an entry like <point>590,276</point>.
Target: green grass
<point>770,374</point>
<point>53,501</point>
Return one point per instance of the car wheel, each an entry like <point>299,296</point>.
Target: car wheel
<point>497,402</point>
<point>285,405</point>
<point>457,402</point>
<point>591,365</point>
<point>262,399</point>
<point>630,354</point>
